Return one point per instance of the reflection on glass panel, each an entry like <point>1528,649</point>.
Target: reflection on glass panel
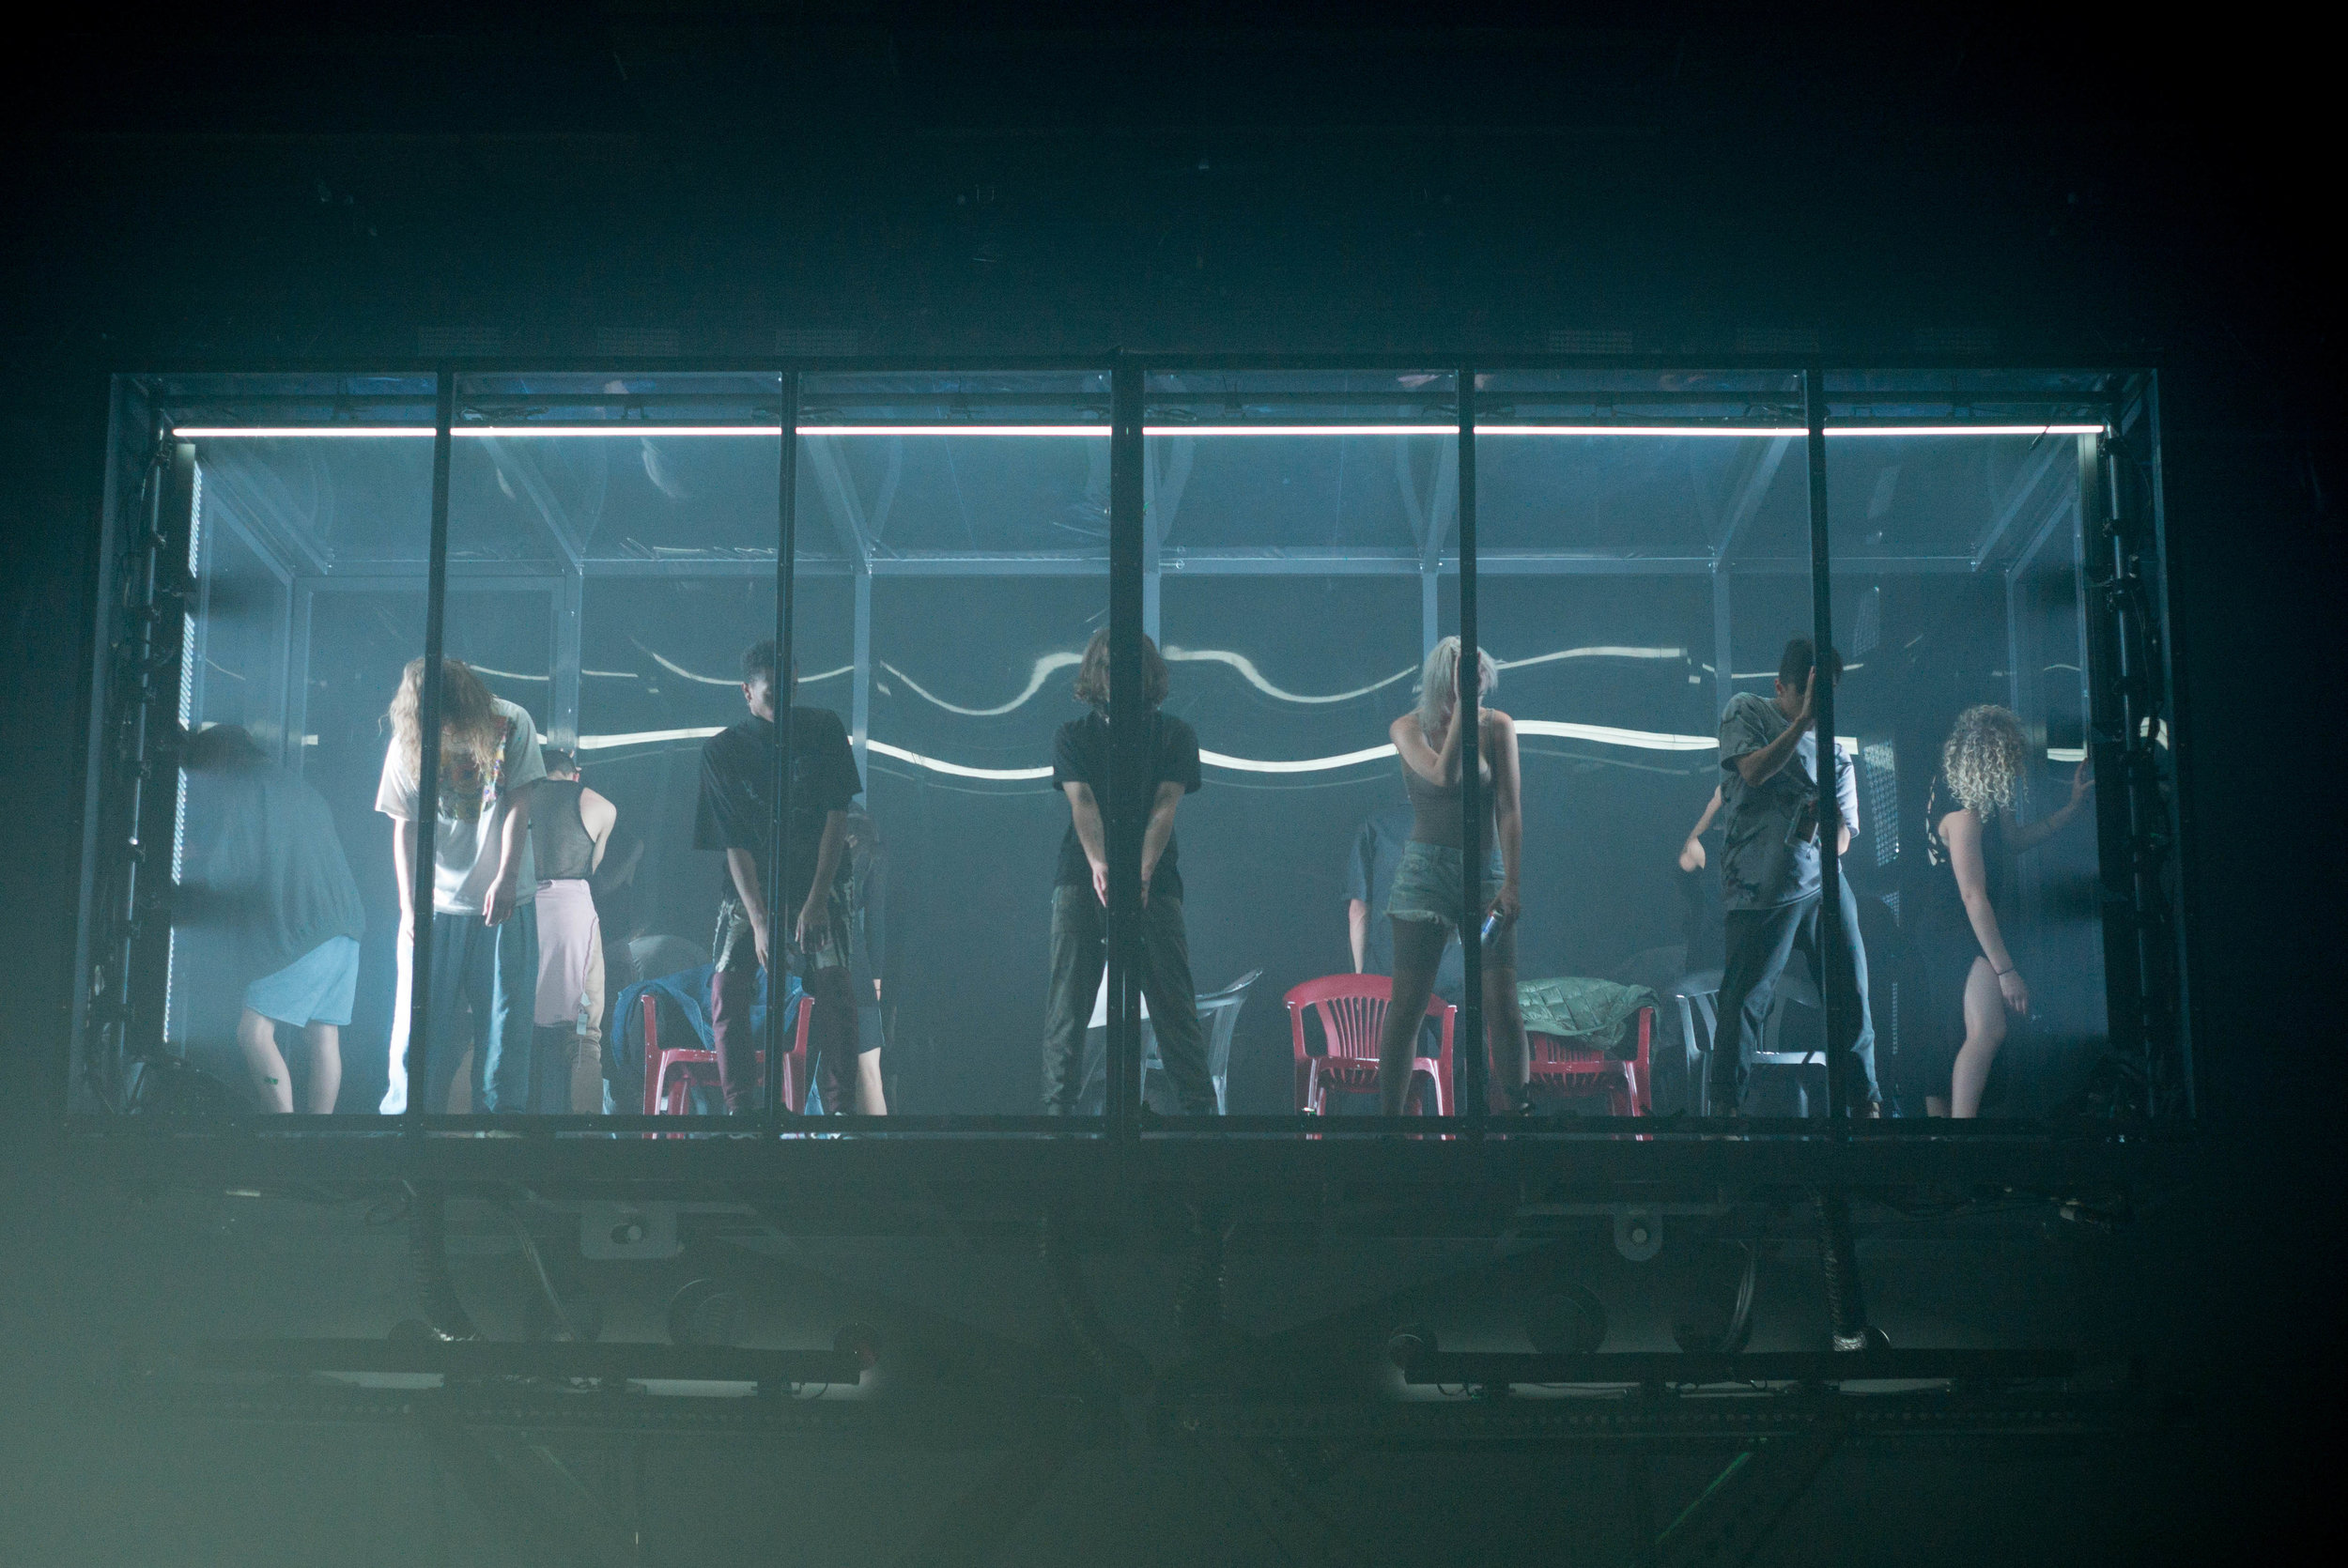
<point>307,540</point>
<point>1302,539</point>
<point>1643,553</point>
<point>611,556</point>
<point>951,567</point>
<point>1957,600</point>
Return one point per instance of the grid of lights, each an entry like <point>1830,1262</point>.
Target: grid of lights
<point>478,432</point>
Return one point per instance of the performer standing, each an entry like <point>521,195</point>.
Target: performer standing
<point>737,804</point>
<point>569,827</point>
<point>1967,978</point>
<point>1770,884</point>
<point>1429,885</point>
<point>1080,892</point>
<point>485,927</point>
<point>266,890</point>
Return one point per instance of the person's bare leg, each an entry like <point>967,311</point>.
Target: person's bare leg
<point>1504,1026</point>
<point>1418,946</point>
<point>326,1069</point>
<point>1936,1106</point>
<point>1985,1031</point>
<point>257,1035</point>
<point>831,1037</point>
<point>871,1100</point>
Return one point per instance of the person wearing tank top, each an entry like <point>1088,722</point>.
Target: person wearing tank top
<point>569,826</point>
<point>1431,884</point>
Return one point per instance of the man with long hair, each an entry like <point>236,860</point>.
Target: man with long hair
<point>735,814</point>
<point>1770,881</point>
<point>484,924</point>
<point>1080,891</point>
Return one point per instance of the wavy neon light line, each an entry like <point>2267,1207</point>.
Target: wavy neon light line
<point>1254,677</point>
<point>1042,672</point>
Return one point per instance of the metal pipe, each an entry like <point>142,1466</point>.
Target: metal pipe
<point>1469,1056</point>
<point>428,762</point>
<point>1830,946</point>
<point>1129,750</point>
<point>778,835</point>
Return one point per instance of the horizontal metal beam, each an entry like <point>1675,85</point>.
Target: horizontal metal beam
<point>525,1359</point>
<point>1770,1366</point>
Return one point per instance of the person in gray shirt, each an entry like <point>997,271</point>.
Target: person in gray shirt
<point>1769,882</point>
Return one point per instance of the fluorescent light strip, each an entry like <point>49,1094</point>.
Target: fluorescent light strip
<point>481,432</point>
<point>1306,764</point>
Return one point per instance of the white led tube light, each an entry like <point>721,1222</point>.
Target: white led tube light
<point>1100,432</point>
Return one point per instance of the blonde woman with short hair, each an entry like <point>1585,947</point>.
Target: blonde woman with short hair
<point>1973,830</point>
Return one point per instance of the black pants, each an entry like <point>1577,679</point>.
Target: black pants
<point>1080,929</point>
<point>1760,941</point>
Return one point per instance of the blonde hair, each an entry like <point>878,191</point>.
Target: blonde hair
<point>468,716</point>
<point>1439,680</point>
<point>1987,760</point>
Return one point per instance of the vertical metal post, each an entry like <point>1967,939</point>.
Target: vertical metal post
<point>860,677</point>
<point>1129,744</point>
<point>1723,682</point>
<point>428,761</point>
<point>1152,526</point>
<point>570,601</point>
<point>777,828</point>
<point>158,657</point>
<point>1833,952</point>
<point>294,700</point>
<point>1469,1053</point>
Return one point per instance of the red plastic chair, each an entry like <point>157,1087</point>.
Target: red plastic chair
<point>1352,1009</point>
<point>1574,1070</point>
<point>674,1074</point>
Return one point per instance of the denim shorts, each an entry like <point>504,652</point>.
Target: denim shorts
<point>316,988</point>
<point>1427,885</point>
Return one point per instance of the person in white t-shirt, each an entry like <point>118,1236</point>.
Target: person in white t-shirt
<point>483,928</point>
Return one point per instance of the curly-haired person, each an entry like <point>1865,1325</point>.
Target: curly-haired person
<point>1972,831</point>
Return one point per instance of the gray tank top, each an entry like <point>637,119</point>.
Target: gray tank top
<point>1435,808</point>
<point>558,835</point>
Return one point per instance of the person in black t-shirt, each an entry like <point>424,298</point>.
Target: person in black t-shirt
<point>737,807</point>
<point>1080,770</point>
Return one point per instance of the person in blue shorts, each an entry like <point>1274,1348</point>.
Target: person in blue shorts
<point>266,869</point>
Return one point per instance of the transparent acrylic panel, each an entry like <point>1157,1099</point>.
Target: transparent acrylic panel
<point>1301,543</point>
<point>953,563</point>
<point>1642,546</point>
<point>308,542</point>
<point>1957,600</point>
<point>612,540</point>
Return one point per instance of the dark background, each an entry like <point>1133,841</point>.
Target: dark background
<point>2078,184</point>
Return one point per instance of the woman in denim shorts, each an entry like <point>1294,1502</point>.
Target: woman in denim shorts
<point>1430,884</point>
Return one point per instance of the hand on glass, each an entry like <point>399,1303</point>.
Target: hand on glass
<point>497,903</point>
<point>2082,784</point>
<point>1692,855</point>
<point>1808,714</point>
<point>2016,991</point>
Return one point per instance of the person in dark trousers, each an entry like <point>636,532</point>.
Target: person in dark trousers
<point>1080,892</point>
<point>265,880</point>
<point>1771,886</point>
<point>570,824</point>
<point>737,804</point>
<point>484,921</point>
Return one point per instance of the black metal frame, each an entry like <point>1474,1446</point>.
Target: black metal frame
<point>2125,820</point>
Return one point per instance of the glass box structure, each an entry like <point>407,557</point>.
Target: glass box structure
<point>1632,545</point>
